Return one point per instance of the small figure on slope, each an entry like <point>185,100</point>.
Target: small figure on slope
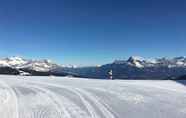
<point>110,74</point>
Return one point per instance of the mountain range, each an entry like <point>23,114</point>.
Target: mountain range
<point>131,68</point>
<point>20,66</point>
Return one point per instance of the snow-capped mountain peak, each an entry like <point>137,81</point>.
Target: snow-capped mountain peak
<point>37,65</point>
<point>141,62</point>
<point>136,58</point>
<point>136,61</point>
<point>12,61</point>
<point>15,61</point>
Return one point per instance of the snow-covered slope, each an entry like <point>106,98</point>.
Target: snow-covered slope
<point>59,97</point>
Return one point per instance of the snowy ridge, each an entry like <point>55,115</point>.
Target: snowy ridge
<point>141,62</point>
<point>37,65</point>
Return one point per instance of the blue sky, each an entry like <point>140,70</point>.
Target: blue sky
<point>90,32</point>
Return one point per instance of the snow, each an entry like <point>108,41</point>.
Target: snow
<point>152,61</point>
<point>24,73</point>
<point>47,65</point>
<point>137,58</point>
<point>141,62</point>
<point>4,63</point>
<point>136,61</point>
<point>16,61</point>
<point>37,65</point>
<point>137,64</point>
<point>64,97</point>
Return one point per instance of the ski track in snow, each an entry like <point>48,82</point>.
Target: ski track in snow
<point>54,97</point>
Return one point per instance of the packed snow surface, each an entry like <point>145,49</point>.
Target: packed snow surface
<point>65,97</point>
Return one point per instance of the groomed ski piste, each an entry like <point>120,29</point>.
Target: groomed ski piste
<point>65,97</point>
